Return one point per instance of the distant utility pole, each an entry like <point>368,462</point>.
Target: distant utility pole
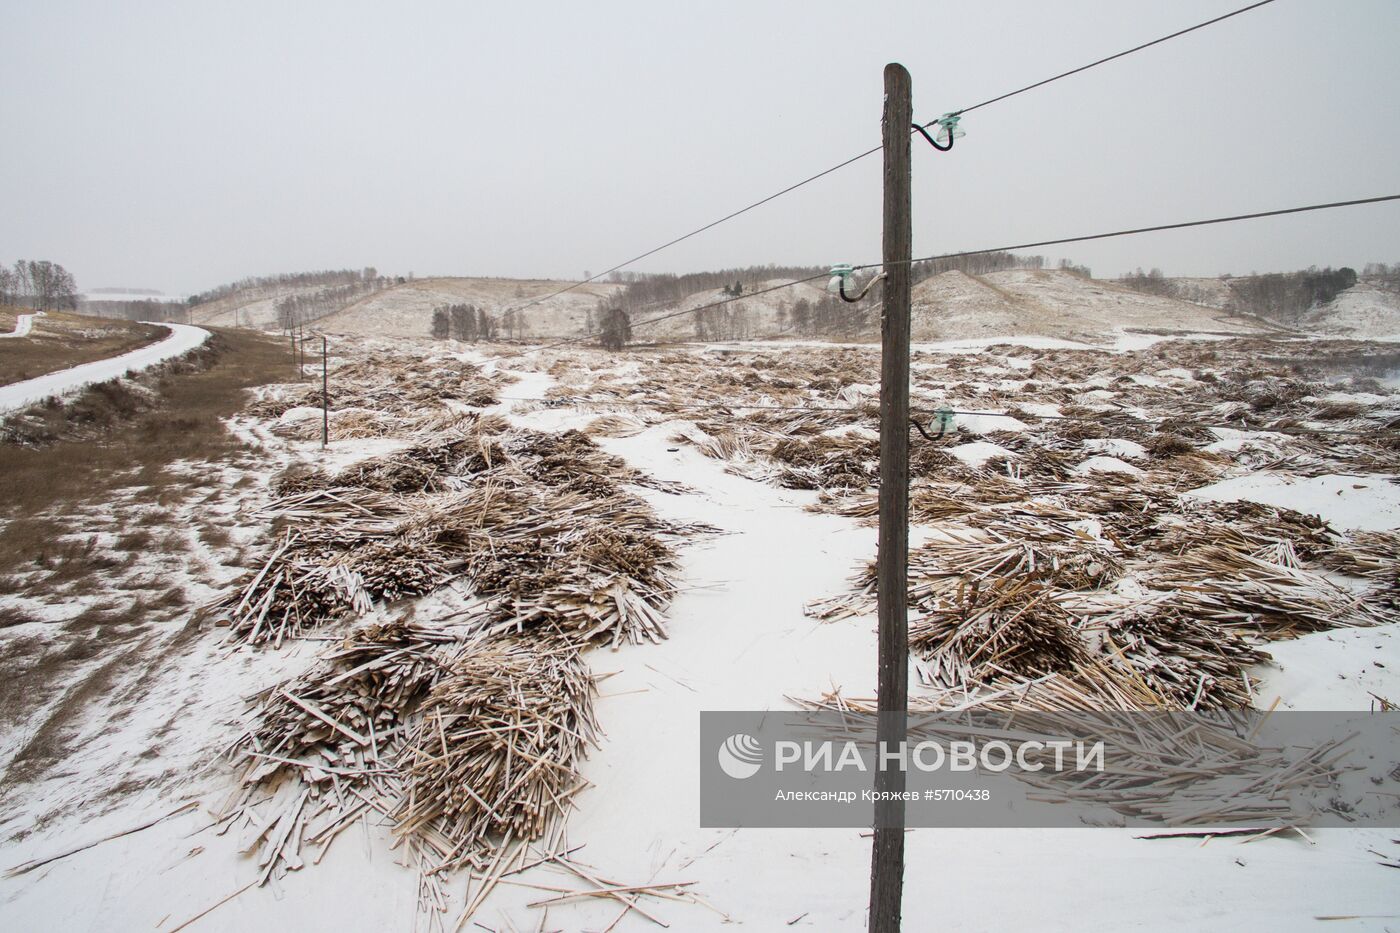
<point>887,852</point>
<point>325,398</point>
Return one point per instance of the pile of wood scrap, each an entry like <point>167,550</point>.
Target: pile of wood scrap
<point>989,546</point>
<point>465,731</point>
<point>496,746</point>
<point>1266,594</point>
<point>539,526</point>
<point>1165,614</point>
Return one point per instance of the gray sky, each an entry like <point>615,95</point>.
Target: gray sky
<point>177,145</point>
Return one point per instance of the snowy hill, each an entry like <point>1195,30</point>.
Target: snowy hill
<point>407,310</point>
<point>248,307</point>
<point>1363,311</point>
<point>1051,303</point>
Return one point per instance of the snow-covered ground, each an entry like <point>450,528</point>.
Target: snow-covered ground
<point>1363,311</point>
<point>183,338</point>
<point>739,640</point>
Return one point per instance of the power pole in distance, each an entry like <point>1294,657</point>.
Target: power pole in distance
<point>325,398</point>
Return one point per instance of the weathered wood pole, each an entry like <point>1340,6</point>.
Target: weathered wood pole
<point>887,852</point>
<point>325,397</point>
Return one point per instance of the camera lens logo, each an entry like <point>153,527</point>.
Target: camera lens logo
<point>741,756</point>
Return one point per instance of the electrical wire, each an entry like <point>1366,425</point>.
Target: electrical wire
<point>869,152</point>
<point>1137,230</point>
<point>661,317</point>
<point>1103,61</point>
<point>975,252</point>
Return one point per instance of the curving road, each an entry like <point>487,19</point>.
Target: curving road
<point>23,324</point>
<point>183,338</point>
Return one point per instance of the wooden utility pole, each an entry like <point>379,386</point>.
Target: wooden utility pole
<point>326,398</point>
<point>887,853</point>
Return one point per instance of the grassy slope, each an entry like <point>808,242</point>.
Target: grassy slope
<point>141,459</point>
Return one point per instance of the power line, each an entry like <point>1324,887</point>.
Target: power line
<point>856,158</point>
<point>699,230</point>
<point>974,252</point>
<point>1154,229</point>
<point>1102,61</point>
<point>662,317</point>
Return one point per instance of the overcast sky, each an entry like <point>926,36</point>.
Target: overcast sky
<point>179,145</point>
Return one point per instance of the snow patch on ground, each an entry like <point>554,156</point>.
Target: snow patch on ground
<point>1106,465</point>
<point>1117,447</point>
<point>1365,503</point>
<point>977,453</point>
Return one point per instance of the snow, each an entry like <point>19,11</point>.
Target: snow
<point>852,430</point>
<point>1233,440</point>
<point>1042,409</point>
<point>298,414</point>
<point>1344,669</point>
<point>24,323</point>
<point>129,296</point>
<point>1365,503</point>
<point>977,344</point>
<point>1362,311</point>
<point>1053,306</point>
<point>1126,341</point>
<point>986,424</point>
<point>739,640</point>
<point>1361,398</point>
<point>183,338</point>
<point>979,452</point>
<point>1117,447</point>
<point>1106,465</point>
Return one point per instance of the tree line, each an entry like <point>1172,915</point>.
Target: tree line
<point>1386,276</point>
<point>1289,295</point>
<point>38,284</point>
<point>827,316</point>
<point>322,277</point>
<point>462,322</point>
<point>305,307</point>
<point>143,309</point>
<point>1280,295</point>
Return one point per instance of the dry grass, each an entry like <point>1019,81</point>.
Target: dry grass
<point>126,446</point>
<point>61,340</point>
<point>49,492</point>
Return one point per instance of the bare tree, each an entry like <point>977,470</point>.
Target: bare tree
<point>43,285</point>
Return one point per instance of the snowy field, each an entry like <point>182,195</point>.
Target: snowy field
<point>1045,419</point>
